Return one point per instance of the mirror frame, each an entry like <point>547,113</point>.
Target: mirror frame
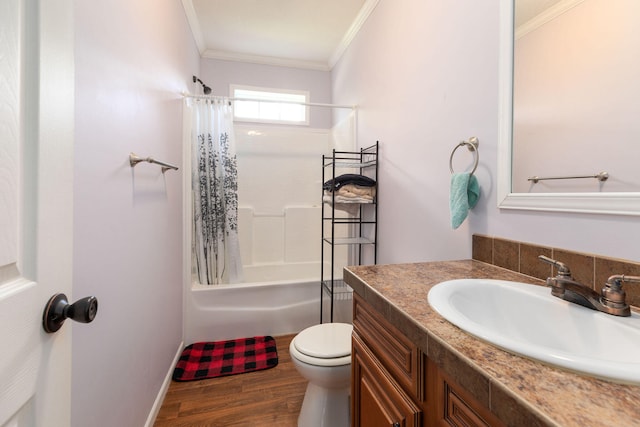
<point>614,203</point>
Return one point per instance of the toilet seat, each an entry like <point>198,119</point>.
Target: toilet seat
<point>327,344</point>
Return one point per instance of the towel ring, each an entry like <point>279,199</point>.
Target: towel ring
<point>472,145</point>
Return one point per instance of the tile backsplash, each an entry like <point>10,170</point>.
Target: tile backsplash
<point>588,269</point>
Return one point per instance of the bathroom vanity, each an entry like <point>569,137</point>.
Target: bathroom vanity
<point>411,367</point>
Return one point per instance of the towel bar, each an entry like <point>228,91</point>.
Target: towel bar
<point>134,160</point>
<point>472,145</point>
<point>601,176</point>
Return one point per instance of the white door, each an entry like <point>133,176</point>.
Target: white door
<point>36,170</point>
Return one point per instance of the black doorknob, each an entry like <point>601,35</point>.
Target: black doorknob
<point>58,310</point>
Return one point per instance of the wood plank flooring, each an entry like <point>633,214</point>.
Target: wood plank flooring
<point>272,397</point>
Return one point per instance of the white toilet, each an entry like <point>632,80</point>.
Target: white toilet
<point>322,354</point>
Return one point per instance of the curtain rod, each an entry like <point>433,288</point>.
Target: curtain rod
<point>306,104</point>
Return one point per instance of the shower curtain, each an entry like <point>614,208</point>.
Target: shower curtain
<point>214,181</point>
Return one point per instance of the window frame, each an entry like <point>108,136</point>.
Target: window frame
<point>274,100</point>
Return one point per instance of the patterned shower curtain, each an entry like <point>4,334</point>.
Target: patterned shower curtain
<point>214,183</point>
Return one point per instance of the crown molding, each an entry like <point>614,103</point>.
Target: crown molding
<point>546,16</point>
<point>354,29</point>
<point>192,18</point>
<point>265,60</point>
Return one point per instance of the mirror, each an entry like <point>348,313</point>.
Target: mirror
<point>604,137</point>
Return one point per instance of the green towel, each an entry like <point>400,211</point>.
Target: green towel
<point>464,195</point>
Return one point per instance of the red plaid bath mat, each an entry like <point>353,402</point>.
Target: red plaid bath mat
<point>215,359</point>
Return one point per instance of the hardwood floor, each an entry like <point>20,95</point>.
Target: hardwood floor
<point>272,397</point>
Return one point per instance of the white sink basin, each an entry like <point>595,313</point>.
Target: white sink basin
<point>525,319</point>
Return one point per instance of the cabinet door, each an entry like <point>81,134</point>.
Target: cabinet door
<point>377,400</point>
<point>397,353</point>
<point>454,407</point>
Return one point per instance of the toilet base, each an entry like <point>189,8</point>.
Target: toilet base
<point>323,407</point>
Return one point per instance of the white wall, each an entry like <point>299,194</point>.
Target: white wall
<point>425,76</point>
<point>133,59</point>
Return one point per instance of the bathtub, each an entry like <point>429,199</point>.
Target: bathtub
<point>286,306</point>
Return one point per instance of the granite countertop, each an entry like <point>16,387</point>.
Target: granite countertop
<point>520,391</point>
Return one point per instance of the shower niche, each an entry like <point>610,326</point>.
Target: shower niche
<point>349,225</point>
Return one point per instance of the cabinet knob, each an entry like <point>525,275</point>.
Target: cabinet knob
<point>396,424</point>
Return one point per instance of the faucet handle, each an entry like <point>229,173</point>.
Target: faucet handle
<point>616,280</point>
<point>612,293</point>
<point>563,269</point>
<point>614,296</point>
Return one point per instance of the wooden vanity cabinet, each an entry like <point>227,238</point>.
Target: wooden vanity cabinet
<point>394,384</point>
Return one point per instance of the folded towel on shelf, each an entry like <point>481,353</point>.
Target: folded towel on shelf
<point>464,195</point>
<point>328,198</point>
<point>349,197</point>
<point>346,201</point>
<point>348,191</point>
<point>353,190</point>
<point>348,178</point>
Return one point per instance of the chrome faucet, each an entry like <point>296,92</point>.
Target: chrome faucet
<point>612,299</point>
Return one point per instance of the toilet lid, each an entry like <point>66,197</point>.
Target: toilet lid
<point>325,341</point>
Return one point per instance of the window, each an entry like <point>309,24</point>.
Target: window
<point>270,105</point>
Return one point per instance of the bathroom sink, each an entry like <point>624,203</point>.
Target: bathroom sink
<point>527,320</point>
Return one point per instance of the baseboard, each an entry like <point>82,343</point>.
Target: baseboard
<point>157,404</point>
